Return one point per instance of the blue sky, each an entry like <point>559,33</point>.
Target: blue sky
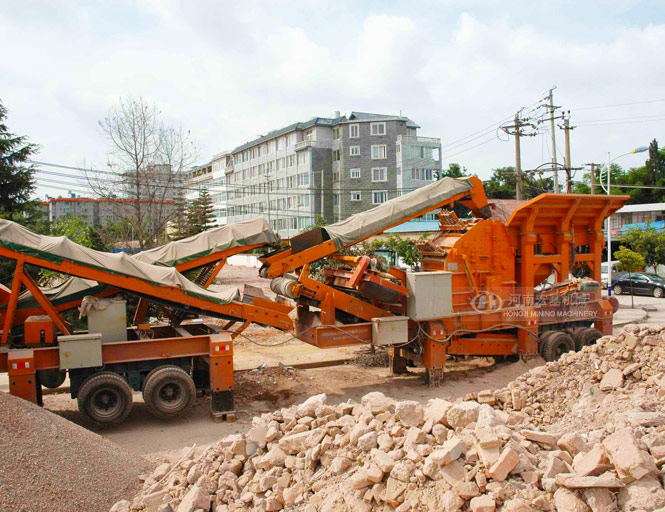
<point>229,71</point>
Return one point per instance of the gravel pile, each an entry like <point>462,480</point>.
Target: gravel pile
<point>51,464</point>
<point>493,451</point>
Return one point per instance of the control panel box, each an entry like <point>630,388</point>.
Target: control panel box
<point>38,330</point>
<point>110,321</point>
<point>390,330</point>
<point>430,295</point>
<point>80,351</point>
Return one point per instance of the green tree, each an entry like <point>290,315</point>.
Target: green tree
<point>649,243</point>
<point>629,261</point>
<point>16,175</point>
<point>180,227</point>
<point>454,171</point>
<point>201,214</point>
<point>502,184</point>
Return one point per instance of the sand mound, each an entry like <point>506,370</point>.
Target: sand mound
<point>49,463</point>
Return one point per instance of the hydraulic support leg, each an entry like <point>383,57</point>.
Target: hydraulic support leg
<point>22,376</point>
<point>221,377</point>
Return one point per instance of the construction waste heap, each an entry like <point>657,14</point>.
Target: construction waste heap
<point>585,433</point>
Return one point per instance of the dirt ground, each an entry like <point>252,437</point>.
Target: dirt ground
<point>259,391</point>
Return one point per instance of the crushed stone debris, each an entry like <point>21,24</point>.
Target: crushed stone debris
<point>555,439</point>
<point>49,463</point>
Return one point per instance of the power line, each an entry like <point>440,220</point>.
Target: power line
<point>618,105</point>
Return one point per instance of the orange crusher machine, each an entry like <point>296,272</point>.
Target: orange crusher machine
<point>167,363</point>
<point>478,291</point>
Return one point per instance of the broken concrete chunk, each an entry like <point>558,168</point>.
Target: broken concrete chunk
<point>593,463</point>
<point>612,379</point>
<point>482,504</point>
<point>565,499</point>
<point>460,415</point>
<point>409,413</point>
<point>573,443</point>
<point>540,437</point>
<point>506,463</point>
<point>624,452</point>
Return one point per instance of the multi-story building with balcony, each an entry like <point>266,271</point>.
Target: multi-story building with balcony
<point>329,167</point>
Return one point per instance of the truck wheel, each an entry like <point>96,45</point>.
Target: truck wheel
<point>168,391</point>
<point>578,337</point>
<point>105,398</point>
<point>51,378</point>
<point>590,336</point>
<point>556,345</point>
<point>542,341</point>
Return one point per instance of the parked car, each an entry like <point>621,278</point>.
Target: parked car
<point>603,272</point>
<point>641,283</point>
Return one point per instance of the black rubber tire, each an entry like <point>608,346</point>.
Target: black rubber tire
<point>617,289</point>
<point>168,391</point>
<point>542,340</point>
<point>578,337</point>
<point>557,345</point>
<point>658,292</point>
<point>590,336</point>
<point>105,398</point>
<point>51,378</point>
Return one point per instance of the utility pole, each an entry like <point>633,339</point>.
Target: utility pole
<point>593,176</point>
<point>567,164</point>
<point>516,130</point>
<point>554,163</point>
<point>518,159</point>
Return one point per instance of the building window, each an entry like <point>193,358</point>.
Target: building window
<point>336,133</point>
<point>379,196</point>
<point>379,174</point>
<point>354,150</point>
<point>378,128</point>
<point>354,131</point>
<point>355,174</point>
<point>303,180</point>
<point>398,148</point>
<point>336,176</point>
<point>335,199</point>
<point>356,196</point>
<point>399,171</point>
<point>378,152</point>
<point>292,160</point>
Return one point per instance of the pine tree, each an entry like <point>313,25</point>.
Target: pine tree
<point>180,227</point>
<point>201,214</point>
<point>16,177</point>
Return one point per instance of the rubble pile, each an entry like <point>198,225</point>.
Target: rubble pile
<point>494,451</point>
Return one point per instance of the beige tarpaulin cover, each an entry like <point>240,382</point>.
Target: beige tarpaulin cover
<point>57,249</point>
<point>364,224</point>
<point>249,232</point>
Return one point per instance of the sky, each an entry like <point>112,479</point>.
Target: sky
<point>230,71</point>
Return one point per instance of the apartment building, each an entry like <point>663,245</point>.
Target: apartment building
<point>330,167</point>
<point>102,212</point>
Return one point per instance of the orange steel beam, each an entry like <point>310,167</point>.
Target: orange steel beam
<point>127,351</point>
<point>13,301</point>
<point>316,290</point>
<point>286,261</point>
<point>262,315</point>
<point>44,303</point>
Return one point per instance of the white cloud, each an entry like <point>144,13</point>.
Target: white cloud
<point>231,71</point>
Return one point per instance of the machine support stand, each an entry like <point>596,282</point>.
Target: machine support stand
<point>397,362</point>
<point>221,378</point>
<point>221,408</point>
<point>434,377</point>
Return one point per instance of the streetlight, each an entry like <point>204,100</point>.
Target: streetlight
<point>640,149</point>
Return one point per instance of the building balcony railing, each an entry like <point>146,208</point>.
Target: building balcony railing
<point>411,139</point>
<point>305,144</point>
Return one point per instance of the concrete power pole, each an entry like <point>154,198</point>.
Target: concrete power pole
<point>567,164</point>
<point>516,130</point>
<point>518,159</point>
<point>593,176</point>
<point>554,163</point>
